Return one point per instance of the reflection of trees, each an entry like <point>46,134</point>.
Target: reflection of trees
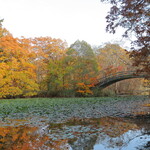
<point>114,132</point>
<point>83,142</point>
<point>143,122</point>
<point>115,127</point>
<point>119,141</point>
<point>122,132</point>
<point>145,147</point>
<point>23,138</point>
<point>15,138</point>
<point>85,133</point>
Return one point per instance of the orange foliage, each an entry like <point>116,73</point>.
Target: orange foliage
<point>84,89</point>
<point>26,138</point>
<point>146,105</point>
<point>17,72</point>
<point>47,50</point>
<point>116,126</point>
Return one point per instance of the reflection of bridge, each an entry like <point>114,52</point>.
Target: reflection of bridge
<point>113,78</point>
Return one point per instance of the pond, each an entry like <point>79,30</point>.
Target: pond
<point>105,133</point>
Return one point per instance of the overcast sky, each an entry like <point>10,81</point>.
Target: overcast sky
<point>66,19</point>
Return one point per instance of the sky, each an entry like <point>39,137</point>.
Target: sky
<point>69,20</point>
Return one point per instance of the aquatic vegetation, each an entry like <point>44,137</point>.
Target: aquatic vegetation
<point>61,109</point>
<point>67,123</point>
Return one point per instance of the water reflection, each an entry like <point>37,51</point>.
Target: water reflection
<point>107,133</point>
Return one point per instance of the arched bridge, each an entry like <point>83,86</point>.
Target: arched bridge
<point>113,78</point>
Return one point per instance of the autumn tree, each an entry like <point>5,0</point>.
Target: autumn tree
<point>49,53</point>
<point>57,76</point>
<point>113,59</point>
<point>17,73</point>
<point>46,48</point>
<point>72,71</point>
<point>1,22</point>
<point>3,31</point>
<point>1,27</point>
<point>133,16</point>
<point>85,66</point>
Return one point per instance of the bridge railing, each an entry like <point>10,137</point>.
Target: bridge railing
<point>117,75</point>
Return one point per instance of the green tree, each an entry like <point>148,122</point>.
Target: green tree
<point>48,51</point>
<point>85,65</point>
<point>56,79</point>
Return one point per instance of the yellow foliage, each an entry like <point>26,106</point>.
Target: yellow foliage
<point>17,73</point>
<point>146,105</point>
<point>84,89</point>
<point>81,84</point>
<point>81,91</point>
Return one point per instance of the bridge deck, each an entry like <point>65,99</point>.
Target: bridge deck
<point>113,78</point>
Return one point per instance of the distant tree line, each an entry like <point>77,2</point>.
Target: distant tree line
<point>47,67</point>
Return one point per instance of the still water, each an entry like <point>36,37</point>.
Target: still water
<point>107,133</point>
